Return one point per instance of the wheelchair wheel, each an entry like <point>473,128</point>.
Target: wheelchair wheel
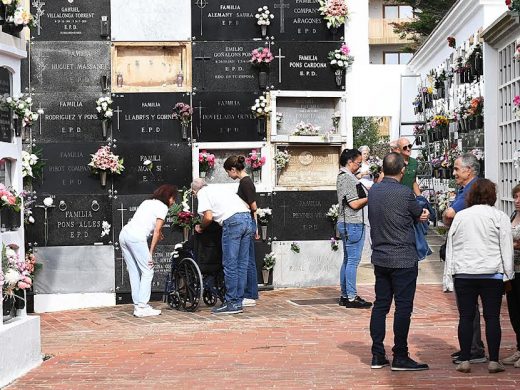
<point>188,284</point>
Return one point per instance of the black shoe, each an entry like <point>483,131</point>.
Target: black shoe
<point>455,355</point>
<point>405,363</point>
<point>474,359</point>
<point>358,303</point>
<point>379,361</point>
<point>342,301</point>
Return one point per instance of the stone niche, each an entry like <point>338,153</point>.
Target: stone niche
<point>151,67</point>
<point>311,166</point>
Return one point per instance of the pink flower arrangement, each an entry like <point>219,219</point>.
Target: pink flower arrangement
<point>261,57</point>
<point>183,112</point>
<point>206,161</point>
<point>9,198</point>
<point>255,160</point>
<point>17,273</point>
<point>516,103</point>
<point>344,49</point>
<point>335,12</point>
<point>105,160</point>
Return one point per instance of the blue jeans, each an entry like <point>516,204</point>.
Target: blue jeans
<point>353,238</point>
<point>236,237</point>
<point>251,290</point>
<point>397,284</point>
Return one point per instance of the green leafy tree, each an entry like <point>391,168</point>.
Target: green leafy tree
<point>427,15</point>
<point>366,132</point>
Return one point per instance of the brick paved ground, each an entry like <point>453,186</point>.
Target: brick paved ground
<point>274,345</point>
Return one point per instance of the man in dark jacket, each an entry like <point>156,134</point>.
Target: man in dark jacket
<point>392,211</point>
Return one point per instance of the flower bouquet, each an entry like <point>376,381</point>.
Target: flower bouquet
<point>104,161</point>
<point>182,216</point>
<point>335,12</point>
<point>32,165</point>
<point>334,245</point>
<point>10,206</point>
<point>340,58</point>
<point>269,263</point>
<point>263,217</point>
<point>333,214</point>
<point>308,129</point>
<point>295,248</point>
<point>16,276</point>
<point>516,109</point>
<point>255,161</point>
<point>281,158</point>
<point>16,17</point>
<point>261,107</point>
<point>261,58</point>
<point>104,113</point>
<point>21,107</point>
<point>206,162</point>
<point>513,5</point>
<point>263,19</point>
<point>452,42</point>
<point>183,113</point>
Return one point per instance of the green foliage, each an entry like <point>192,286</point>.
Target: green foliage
<point>427,15</point>
<point>366,132</point>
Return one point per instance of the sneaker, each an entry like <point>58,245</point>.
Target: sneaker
<point>464,366</point>
<point>227,308</point>
<point>147,311</point>
<point>517,364</point>
<point>357,303</point>
<point>379,362</point>
<point>247,302</point>
<point>342,301</point>
<point>474,359</point>
<point>405,363</point>
<point>455,355</point>
<point>511,360</point>
<point>495,367</point>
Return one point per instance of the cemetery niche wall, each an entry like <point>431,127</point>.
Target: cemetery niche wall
<point>90,49</point>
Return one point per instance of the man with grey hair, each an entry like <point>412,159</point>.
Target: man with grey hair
<point>228,210</point>
<point>394,148</point>
<point>465,171</point>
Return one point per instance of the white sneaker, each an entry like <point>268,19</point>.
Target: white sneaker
<point>510,360</point>
<point>147,311</point>
<point>246,302</point>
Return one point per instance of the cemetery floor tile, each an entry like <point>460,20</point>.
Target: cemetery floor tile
<point>275,344</point>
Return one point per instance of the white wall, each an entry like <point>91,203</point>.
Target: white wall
<point>375,9</point>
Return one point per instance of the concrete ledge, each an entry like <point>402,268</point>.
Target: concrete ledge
<point>20,348</point>
<point>57,302</point>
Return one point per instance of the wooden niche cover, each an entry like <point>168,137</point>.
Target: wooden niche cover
<point>151,67</point>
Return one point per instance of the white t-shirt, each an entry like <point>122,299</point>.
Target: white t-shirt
<point>221,202</point>
<point>143,222</point>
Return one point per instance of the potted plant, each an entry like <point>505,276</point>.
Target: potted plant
<point>105,113</point>
<point>340,60</point>
<point>269,262</point>
<point>182,216</point>
<point>183,113</point>
<point>255,161</point>
<point>206,162</point>
<point>260,110</point>
<point>104,162</point>
<point>263,19</point>
<point>335,12</point>
<point>264,216</point>
<point>261,58</point>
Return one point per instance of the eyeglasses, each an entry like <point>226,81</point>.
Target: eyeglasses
<point>406,147</point>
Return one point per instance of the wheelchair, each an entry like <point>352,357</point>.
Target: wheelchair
<point>196,271</point>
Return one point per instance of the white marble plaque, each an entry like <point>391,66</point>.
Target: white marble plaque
<point>151,21</point>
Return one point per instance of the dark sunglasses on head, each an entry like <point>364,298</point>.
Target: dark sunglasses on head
<point>406,147</point>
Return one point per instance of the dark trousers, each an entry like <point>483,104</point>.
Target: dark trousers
<point>398,284</point>
<point>490,292</point>
<point>513,305</point>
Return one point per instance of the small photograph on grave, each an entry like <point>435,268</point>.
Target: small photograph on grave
<point>151,67</point>
<point>308,166</point>
<point>66,169</point>
<point>66,20</point>
<point>302,215</point>
<point>5,115</point>
<point>149,165</point>
<point>68,117</point>
<point>151,117</point>
<point>226,117</point>
<point>70,67</point>
<point>70,220</point>
<point>151,21</point>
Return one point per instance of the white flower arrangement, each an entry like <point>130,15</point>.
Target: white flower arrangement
<point>48,202</point>
<point>261,107</point>
<point>263,215</point>
<point>478,153</point>
<point>105,229</point>
<point>104,108</point>
<point>148,165</point>
<point>306,129</point>
<point>333,212</point>
<point>281,158</point>
<point>264,16</point>
<point>22,108</point>
<point>341,58</point>
<point>269,261</point>
<point>28,161</point>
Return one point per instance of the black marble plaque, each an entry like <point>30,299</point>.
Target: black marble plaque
<point>294,20</point>
<point>68,117</point>
<point>5,120</point>
<point>171,165</point>
<point>66,169</point>
<point>74,220</point>
<point>147,117</point>
<point>302,215</point>
<point>71,20</point>
<point>69,66</point>
<point>225,117</point>
<point>224,66</point>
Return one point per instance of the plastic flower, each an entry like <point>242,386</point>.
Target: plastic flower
<point>206,161</point>
<point>105,160</point>
<point>255,161</point>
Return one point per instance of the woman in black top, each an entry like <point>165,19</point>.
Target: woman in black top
<point>235,168</point>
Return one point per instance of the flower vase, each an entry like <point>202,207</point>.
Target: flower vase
<point>202,174</point>
<point>479,122</point>
<point>262,79</point>
<point>265,275</point>
<point>13,219</point>
<point>13,29</point>
<point>260,125</point>
<point>184,131</point>
<point>19,299</point>
<point>2,14</point>
<point>264,30</point>
<point>103,178</point>
<point>8,307</point>
<point>106,126</point>
<point>185,233</point>
<point>15,125</point>
<point>256,173</point>
<point>264,232</point>
<point>334,31</point>
<point>339,76</point>
<point>26,133</point>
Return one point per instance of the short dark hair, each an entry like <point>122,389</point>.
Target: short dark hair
<point>237,162</point>
<point>348,155</point>
<point>393,163</point>
<point>483,191</point>
<point>516,190</point>
<point>164,193</point>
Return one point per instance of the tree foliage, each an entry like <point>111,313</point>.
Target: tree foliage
<point>427,15</point>
<point>366,132</point>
